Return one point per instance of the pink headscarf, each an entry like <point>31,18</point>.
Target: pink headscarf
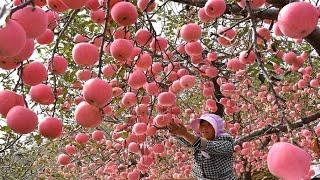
<point>215,120</point>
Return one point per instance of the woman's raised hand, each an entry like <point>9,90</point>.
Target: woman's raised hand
<point>177,129</point>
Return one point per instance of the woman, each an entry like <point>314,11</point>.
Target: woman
<point>213,149</point>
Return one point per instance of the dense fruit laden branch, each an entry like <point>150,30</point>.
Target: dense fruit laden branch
<point>133,96</point>
<point>278,128</point>
<point>265,73</point>
<point>54,51</point>
<point>270,13</point>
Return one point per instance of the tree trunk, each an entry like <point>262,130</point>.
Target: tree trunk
<point>246,175</point>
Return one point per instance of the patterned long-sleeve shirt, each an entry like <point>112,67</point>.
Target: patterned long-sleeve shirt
<point>212,159</point>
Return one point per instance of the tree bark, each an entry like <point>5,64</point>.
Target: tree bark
<point>247,176</point>
<point>314,39</point>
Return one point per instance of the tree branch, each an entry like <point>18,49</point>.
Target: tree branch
<point>105,28</point>
<point>271,14</point>
<point>55,49</point>
<point>278,128</point>
<point>11,144</point>
<point>314,39</point>
<point>20,6</point>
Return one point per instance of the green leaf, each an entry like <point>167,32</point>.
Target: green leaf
<point>6,129</point>
<point>119,111</point>
<point>38,139</point>
<point>253,70</point>
<point>124,134</point>
<point>269,66</point>
<point>275,59</point>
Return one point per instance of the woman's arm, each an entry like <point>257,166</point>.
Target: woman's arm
<point>189,137</point>
<point>181,131</point>
<point>223,145</point>
<point>182,141</point>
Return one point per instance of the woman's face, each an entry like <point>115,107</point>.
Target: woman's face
<point>206,130</point>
